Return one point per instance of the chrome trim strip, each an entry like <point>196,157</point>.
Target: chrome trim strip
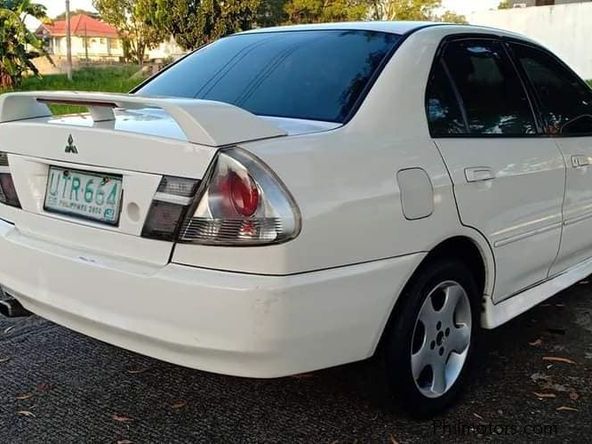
<point>173,199</point>
<point>576,219</point>
<point>511,239</point>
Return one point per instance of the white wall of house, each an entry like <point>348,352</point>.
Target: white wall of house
<point>564,29</point>
<point>98,47</point>
<point>166,49</point>
<point>101,48</point>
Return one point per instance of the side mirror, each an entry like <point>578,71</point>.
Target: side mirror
<point>581,125</point>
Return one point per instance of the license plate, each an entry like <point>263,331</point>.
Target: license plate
<point>82,194</point>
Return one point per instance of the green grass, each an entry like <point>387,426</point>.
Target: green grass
<point>112,79</point>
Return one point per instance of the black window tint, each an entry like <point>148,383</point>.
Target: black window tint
<point>444,114</point>
<point>563,97</point>
<point>316,75</point>
<point>494,98</point>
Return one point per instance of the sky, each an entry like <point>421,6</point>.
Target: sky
<point>55,7</point>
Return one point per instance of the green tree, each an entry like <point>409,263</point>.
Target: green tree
<point>451,17</point>
<point>377,9</point>
<point>18,45</point>
<point>419,10</point>
<point>411,9</point>
<point>130,18</point>
<point>505,4</point>
<point>271,13</point>
<point>194,23</point>
<point>320,11</point>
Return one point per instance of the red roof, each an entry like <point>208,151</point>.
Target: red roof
<point>81,25</point>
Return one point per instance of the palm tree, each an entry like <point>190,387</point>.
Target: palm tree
<point>18,45</point>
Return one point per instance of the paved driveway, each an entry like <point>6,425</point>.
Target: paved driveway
<point>59,386</point>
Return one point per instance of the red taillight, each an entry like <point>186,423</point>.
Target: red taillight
<point>244,194</point>
<point>243,203</point>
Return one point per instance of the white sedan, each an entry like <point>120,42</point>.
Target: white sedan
<point>290,199</point>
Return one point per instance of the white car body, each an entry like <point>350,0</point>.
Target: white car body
<point>376,196</point>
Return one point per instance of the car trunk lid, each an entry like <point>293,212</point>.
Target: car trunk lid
<point>134,143</point>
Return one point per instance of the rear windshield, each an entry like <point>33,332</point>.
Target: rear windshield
<point>316,75</point>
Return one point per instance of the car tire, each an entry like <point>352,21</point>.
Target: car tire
<point>431,338</point>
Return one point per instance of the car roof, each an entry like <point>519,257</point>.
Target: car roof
<point>393,27</point>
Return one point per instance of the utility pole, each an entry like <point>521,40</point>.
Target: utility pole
<point>85,43</point>
<point>68,42</point>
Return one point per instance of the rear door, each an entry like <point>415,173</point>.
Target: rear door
<point>565,102</point>
<point>508,180</point>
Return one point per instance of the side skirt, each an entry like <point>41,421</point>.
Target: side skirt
<point>495,315</point>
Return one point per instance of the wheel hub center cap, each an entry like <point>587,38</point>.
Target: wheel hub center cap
<point>440,339</point>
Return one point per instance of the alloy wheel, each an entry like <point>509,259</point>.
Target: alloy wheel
<point>441,339</point>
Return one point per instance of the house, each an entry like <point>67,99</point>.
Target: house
<point>95,40</point>
<point>92,39</point>
<point>168,49</point>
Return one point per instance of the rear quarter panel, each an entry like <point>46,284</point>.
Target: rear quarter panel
<point>345,182</point>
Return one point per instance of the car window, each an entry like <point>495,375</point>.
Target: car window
<point>317,75</point>
<point>493,96</point>
<point>565,101</point>
<point>444,112</point>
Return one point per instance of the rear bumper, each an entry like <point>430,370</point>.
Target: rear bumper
<point>231,323</point>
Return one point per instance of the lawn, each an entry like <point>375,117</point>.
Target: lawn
<point>112,79</point>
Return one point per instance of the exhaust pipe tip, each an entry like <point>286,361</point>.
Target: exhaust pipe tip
<point>11,308</point>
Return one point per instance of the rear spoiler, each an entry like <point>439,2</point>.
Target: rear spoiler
<point>203,122</point>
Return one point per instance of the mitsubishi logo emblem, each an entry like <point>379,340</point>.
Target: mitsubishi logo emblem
<point>71,148</point>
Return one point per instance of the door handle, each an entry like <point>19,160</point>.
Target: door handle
<point>479,174</point>
<point>580,161</point>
